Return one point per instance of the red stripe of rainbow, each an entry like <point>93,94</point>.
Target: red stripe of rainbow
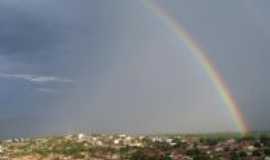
<point>205,61</point>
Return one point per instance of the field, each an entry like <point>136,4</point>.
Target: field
<point>218,146</point>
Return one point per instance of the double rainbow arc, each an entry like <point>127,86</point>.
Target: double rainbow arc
<point>201,55</point>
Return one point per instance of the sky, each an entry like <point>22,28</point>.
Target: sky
<point>114,66</point>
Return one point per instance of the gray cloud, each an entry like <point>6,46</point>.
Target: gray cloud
<point>132,73</point>
<point>23,33</point>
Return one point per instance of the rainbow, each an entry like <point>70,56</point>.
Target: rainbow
<point>201,55</point>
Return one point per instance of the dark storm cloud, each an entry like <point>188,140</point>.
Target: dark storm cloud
<point>23,34</point>
<point>119,67</point>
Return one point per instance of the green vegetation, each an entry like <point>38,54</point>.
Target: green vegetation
<point>265,139</point>
<point>205,147</point>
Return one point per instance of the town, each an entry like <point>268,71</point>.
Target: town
<point>125,147</point>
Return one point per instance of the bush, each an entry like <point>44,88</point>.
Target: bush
<point>235,156</point>
<point>210,141</point>
<point>193,152</point>
<point>267,151</point>
<point>242,154</point>
<point>265,139</point>
<point>256,153</point>
<point>140,155</point>
<point>164,146</point>
<point>248,138</point>
<point>167,157</point>
<point>196,154</point>
<point>257,144</point>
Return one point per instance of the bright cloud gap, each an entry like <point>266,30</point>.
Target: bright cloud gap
<point>36,78</point>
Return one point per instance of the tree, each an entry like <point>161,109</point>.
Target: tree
<point>265,139</point>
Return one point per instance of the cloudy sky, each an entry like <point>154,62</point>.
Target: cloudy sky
<point>114,66</point>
